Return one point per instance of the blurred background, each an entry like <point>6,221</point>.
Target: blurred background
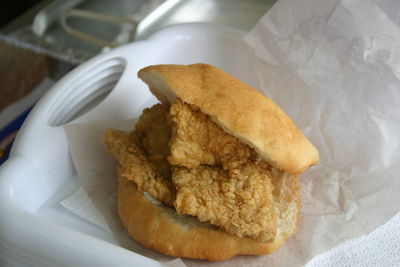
<point>40,41</point>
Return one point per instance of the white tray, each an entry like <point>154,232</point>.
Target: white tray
<point>35,229</point>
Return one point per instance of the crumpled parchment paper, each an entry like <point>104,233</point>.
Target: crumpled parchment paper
<point>334,67</point>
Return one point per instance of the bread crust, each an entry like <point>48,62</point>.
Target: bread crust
<point>157,227</point>
<point>239,109</point>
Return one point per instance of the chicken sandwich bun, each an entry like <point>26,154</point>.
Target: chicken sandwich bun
<point>211,171</point>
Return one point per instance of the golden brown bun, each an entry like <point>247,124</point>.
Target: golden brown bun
<point>158,227</point>
<point>238,109</point>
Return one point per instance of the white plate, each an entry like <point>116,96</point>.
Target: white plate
<point>34,229</point>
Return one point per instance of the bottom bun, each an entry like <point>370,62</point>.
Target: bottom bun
<point>158,227</point>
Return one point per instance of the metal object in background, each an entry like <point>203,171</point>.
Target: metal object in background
<point>52,39</point>
<point>75,30</point>
<point>60,11</point>
<point>50,14</point>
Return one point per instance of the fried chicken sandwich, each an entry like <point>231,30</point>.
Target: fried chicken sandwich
<point>211,171</point>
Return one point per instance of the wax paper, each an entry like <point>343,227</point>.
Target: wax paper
<point>334,67</point>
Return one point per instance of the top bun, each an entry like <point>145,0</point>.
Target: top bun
<point>239,109</point>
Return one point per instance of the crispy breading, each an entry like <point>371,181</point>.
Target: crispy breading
<point>196,140</point>
<point>154,133</point>
<point>214,176</point>
<point>239,200</point>
<point>219,179</point>
<point>133,165</point>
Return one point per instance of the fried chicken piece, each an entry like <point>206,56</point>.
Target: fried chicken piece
<point>133,165</point>
<point>237,197</point>
<point>214,176</point>
<point>154,134</point>
<point>239,200</point>
<point>196,140</point>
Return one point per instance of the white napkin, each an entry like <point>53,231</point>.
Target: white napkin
<point>380,248</point>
